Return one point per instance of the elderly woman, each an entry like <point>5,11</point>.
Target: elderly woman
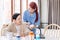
<point>17,26</point>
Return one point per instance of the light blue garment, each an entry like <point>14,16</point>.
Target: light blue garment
<point>31,18</point>
<point>18,38</point>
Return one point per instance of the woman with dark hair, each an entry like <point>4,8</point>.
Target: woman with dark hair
<point>31,15</point>
<point>17,27</point>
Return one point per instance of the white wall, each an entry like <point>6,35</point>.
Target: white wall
<point>44,12</point>
<point>5,12</point>
<point>17,6</point>
<point>1,11</point>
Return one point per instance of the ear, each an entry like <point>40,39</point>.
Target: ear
<point>14,20</point>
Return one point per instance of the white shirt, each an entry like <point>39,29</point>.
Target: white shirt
<point>18,29</point>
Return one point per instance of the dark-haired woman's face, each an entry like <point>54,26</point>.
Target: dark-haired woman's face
<point>31,10</point>
<point>18,20</point>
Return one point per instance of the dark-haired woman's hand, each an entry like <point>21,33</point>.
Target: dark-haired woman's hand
<point>32,26</point>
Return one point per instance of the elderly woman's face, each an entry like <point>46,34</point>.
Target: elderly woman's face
<point>18,20</point>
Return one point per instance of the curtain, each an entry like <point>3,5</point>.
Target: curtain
<point>54,14</point>
<point>50,11</point>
